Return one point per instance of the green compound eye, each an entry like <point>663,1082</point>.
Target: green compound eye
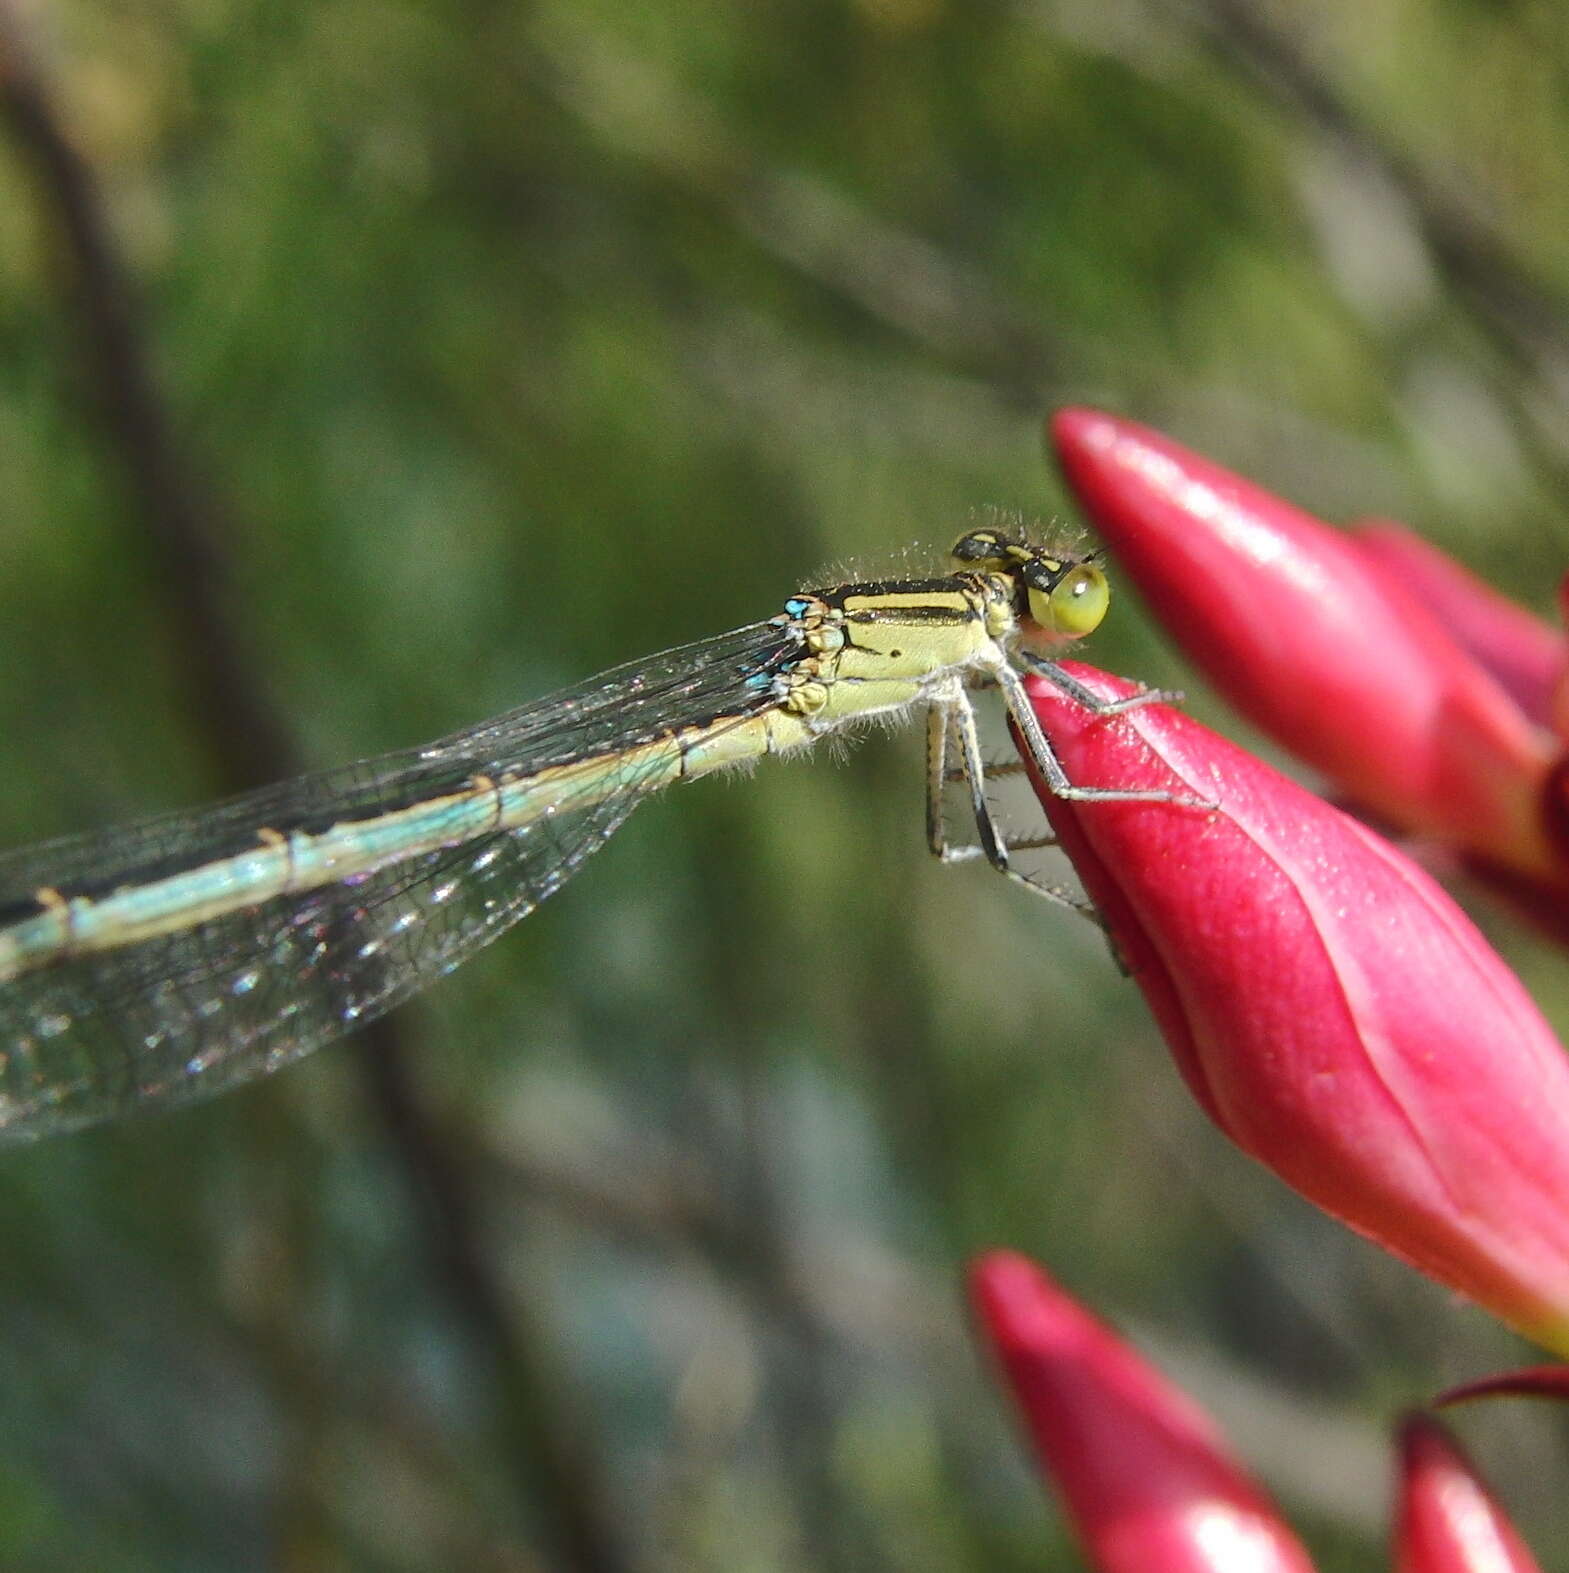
<point>1075,605</point>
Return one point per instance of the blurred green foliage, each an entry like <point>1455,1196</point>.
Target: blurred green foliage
<point>510,342</point>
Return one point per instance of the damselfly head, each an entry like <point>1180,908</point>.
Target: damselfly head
<point>1058,597</point>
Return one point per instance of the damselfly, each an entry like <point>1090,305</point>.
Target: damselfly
<point>169,959</point>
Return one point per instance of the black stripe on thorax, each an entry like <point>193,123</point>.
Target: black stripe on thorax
<point>954,583</point>
<point>906,616</point>
<point>933,615</point>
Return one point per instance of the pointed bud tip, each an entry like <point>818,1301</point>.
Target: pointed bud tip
<point>1079,426</point>
<point>1022,1307</point>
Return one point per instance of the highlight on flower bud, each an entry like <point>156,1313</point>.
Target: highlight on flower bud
<point>1328,1004</point>
<point>1313,636</point>
<point>1446,1520</point>
<point>1147,1480</point>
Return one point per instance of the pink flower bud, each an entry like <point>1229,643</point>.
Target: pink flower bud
<point>1325,650</point>
<point>1146,1478</point>
<point>1559,709</point>
<point>1329,1005</point>
<point>1447,1521</point>
<point>1526,657</point>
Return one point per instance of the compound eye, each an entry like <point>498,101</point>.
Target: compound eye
<point>1074,606</point>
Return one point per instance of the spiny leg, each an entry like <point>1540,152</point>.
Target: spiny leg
<point>950,707</point>
<point>1075,690</point>
<point>938,775</point>
<point>937,778</point>
<point>998,770</point>
<point>1044,757</point>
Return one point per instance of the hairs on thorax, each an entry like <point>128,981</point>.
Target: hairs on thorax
<point>923,561</point>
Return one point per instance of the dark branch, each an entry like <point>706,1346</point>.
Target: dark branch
<point>188,531</point>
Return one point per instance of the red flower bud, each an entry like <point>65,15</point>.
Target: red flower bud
<point>1447,1520</point>
<point>1329,1005</point>
<point>1318,644</point>
<point>1146,1478</point>
<point>1526,657</point>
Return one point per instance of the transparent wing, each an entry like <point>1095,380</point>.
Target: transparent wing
<point>186,1014</point>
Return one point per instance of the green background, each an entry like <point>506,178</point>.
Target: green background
<point>503,343</point>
